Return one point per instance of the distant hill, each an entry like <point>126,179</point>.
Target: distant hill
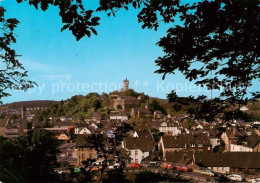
<point>33,103</point>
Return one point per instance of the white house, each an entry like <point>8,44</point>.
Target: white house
<point>138,148</point>
<point>143,134</point>
<point>121,117</point>
<point>82,130</point>
<point>240,148</point>
<point>170,128</point>
<point>93,125</point>
<point>244,108</point>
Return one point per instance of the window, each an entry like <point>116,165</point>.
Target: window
<point>136,153</point>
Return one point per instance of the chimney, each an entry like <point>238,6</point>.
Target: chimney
<point>23,112</point>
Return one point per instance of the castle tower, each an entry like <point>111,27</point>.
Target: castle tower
<point>125,85</point>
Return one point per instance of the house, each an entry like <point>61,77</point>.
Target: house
<point>93,125</point>
<point>118,116</point>
<point>170,128</point>
<point>64,119</point>
<point>138,148</point>
<point>217,162</point>
<point>179,158</point>
<point>84,150</point>
<point>214,140</point>
<point>143,134</point>
<point>67,154</point>
<point>97,116</point>
<point>63,136</point>
<point>250,144</point>
<point>110,134</point>
<point>158,115</point>
<point>228,162</point>
<point>241,162</point>
<point>187,142</point>
<point>82,130</point>
<point>229,135</point>
<point>244,108</point>
<point>14,129</point>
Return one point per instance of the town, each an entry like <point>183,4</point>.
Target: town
<point>160,140</point>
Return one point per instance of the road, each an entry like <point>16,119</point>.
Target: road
<point>197,176</point>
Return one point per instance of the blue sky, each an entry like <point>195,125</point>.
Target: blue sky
<point>63,67</point>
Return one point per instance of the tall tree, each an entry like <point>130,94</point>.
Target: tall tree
<point>12,73</point>
<point>29,159</point>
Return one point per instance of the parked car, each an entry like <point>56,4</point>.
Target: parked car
<point>76,170</point>
<point>95,168</point>
<point>183,168</point>
<point>236,177</point>
<point>207,172</point>
<point>153,164</point>
<point>135,165</point>
<point>257,180</point>
<point>167,166</point>
<point>113,166</point>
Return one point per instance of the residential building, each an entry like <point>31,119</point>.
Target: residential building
<point>118,116</point>
<point>143,134</point>
<point>188,142</point>
<point>170,128</point>
<point>138,148</point>
<point>217,162</point>
<point>84,150</point>
<point>250,144</point>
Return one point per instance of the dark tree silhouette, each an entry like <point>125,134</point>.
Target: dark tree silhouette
<point>105,148</point>
<point>29,159</point>
<point>216,44</point>
<point>12,73</point>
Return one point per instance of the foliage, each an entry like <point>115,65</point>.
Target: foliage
<point>189,124</point>
<point>147,176</point>
<point>115,176</point>
<point>155,105</point>
<point>209,110</point>
<point>119,107</point>
<point>12,73</point>
<point>74,16</point>
<point>129,92</point>
<point>216,44</point>
<point>105,148</point>
<point>29,159</point>
<point>78,106</point>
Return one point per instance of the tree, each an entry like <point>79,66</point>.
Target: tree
<point>216,44</point>
<point>29,159</point>
<point>155,105</point>
<point>97,104</point>
<point>119,107</point>
<point>147,176</point>
<point>12,73</point>
<point>99,143</point>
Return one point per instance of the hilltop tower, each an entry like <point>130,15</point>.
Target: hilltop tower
<point>125,85</point>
